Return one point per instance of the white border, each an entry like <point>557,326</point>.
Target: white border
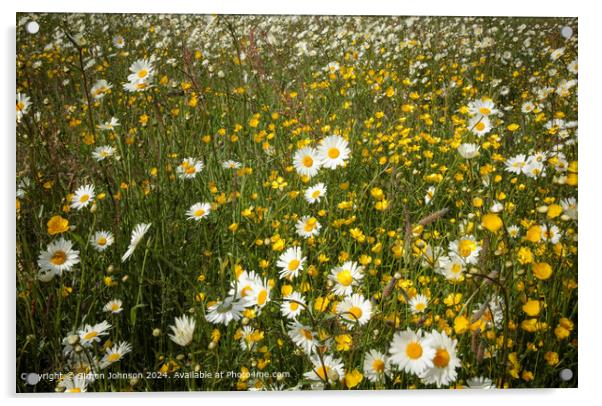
<point>590,282</point>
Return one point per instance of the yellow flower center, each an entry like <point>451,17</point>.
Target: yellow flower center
<point>356,312</point>
<point>20,106</point>
<point>378,365</point>
<point>344,277</point>
<point>333,153</point>
<point>58,258</point>
<point>308,161</point>
<point>484,111</point>
<point>142,73</point>
<point>456,268</point>
<point>114,357</point>
<point>199,213</point>
<point>420,306</point>
<point>315,194</point>
<point>90,335</point>
<point>441,358</point>
<point>73,390</point>
<point>310,224</point>
<point>101,241</point>
<point>84,198</point>
<point>114,307</point>
<point>245,291</point>
<point>480,126</point>
<point>307,334</point>
<point>466,247</point>
<point>190,170</point>
<point>294,306</point>
<point>414,350</point>
<point>294,264</point>
<point>322,372</point>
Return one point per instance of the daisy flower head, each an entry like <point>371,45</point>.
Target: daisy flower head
<point>100,88</point>
<point>260,293</point>
<point>355,309</point>
<point>290,263</point>
<point>231,165</point>
<point>430,193</point>
<point>75,383</point>
<point>292,305</point>
<point>418,304</point>
<point>315,193</point>
<point>183,330</point>
<point>345,277</point>
<point>198,211</point>
<point>225,311</point>
<point>306,162</point>
<point>468,151</point>
<point>23,103</point>
<point>302,336</point>
<point>118,41</point>
<point>308,226</point>
<point>517,164</point>
<point>103,152</point>
<point>452,268</point>
<point>325,369</point>
<point>101,240</point>
<point>115,353</point>
<point>142,71</point>
<point>333,151</point>
<point>114,306</point>
<point>482,108</point>
<point>109,125</point>
<point>513,231</point>
<point>445,361</point>
<point>376,366</point>
<point>479,125</point>
<point>467,249</point>
<point>58,257</point>
<point>189,168</point>
<point>91,334</point>
<point>138,234</point>
<point>411,351</point>
<point>82,197</point>
<point>480,382</point>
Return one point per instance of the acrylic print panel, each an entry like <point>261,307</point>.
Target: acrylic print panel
<point>210,203</point>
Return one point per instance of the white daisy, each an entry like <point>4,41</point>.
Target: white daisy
<point>513,231</point>
<point>468,151</point>
<point>189,168</point>
<point>482,108</point>
<point>82,197</point>
<point>290,263</point>
<point>418,304</point>
<point>333,151</point>
<point>376,366</point>
<point>58,257</point>
<point>198,211</point>
<point>183,330</point>
<point>100,88</point>
<point>75,383</point>
<point>292,305</point>
<point>570,207</point>
<point>551,234</point>
<point>411,352</point>
<point>308,226</point>
<point>517,164</point>
<point>103,152</point>
<point>452,268</point>
<point>325,369</point>
<point>306,162</point>
<point>101,240</point>
<point>467,249</point>
<point>430,192</point>
<point>345,277</point>
<point>479,125</point>
<point>302,336</point>
<point>445,361</point>
<point>91,334</point>
<point>23,103</point>
<point>231,164</point>
<point>118,41</point>
<point>480,382</point>
<point>137,235</point>
<point>115,353</point>
<point>315,193</point>
<point>114,306</point>
<point>225,311</point>
<point>109,125</point>
<point>355,309</point>
<point>142,71</point>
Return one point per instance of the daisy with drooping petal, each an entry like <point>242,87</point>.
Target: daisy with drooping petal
<point>308,226</point>
<point>306,162</point>
<point>82,197</point>
<point>411,352</point>
<point>315,193</point>
<point>479,125</point>
<point>183,330</point>
<point>445,360</point>
<point>418,304</point>
<point>229,309</point>
<point>109,125</point>
<point>115,354</point>
<point>376,366</point>
<point>468,151</point>
<point>292,305</point>
<point>326,369</point>
<point>91,334</point>
<point>189,168</point>
<point>103,152</point>
<point>114,306</point>
<point>333,151</point>
<point>466,249</point>
<point>290,263</point>
<point>302,336</point>
<point>100,88</point>
<point>137,235</point>
<point>101,240</point>
<point>355,309</point>
<point>23,102</point>
<point>345,277</point>
<point>58,257</point>
<point>198,211</point>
